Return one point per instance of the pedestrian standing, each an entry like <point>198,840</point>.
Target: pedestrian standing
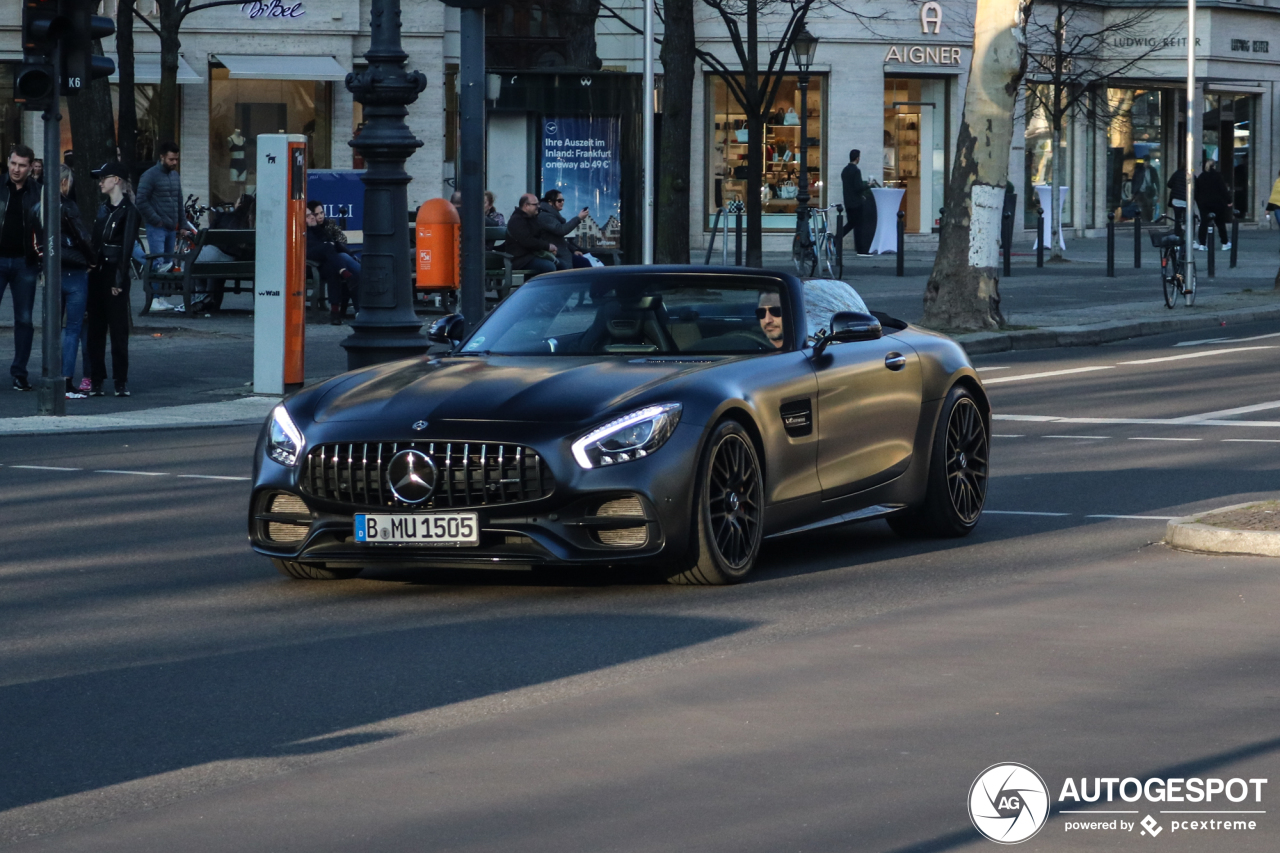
<point>1212,196</point>
<point>77,257</point>
<point>1177,186</point>
<point>159,203</point>
<point>115,230</point>
<point>856,202</point>
<point>1273,203</point>
<point>19,257</point>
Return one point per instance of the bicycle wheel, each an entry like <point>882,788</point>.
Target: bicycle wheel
<point>827,254</point>
<point>1169,278</point>
<point>803,256</point>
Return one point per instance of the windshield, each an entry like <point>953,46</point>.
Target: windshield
<point>608,314</point>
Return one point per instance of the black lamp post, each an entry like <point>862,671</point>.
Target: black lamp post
<point>386,327</point>
<point>803,49</point>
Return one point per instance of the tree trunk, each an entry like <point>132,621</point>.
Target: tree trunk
<point>671,232</point>
<point>963,290</point>
<point>93,135</point>
<point>1055,191</point>
<point>128,108</point>
<point>755,138</point>
<point>170,44</point>
<point>579,30</point>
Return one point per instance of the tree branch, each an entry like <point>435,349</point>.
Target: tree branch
<point>141,17</point>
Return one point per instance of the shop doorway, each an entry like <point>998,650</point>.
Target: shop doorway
<point>917,122</point>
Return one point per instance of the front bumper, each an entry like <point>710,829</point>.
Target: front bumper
<point>647,512</point>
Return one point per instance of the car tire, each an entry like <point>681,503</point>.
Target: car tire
<point>958,470</point>
<point>728,511</point>
<point>311,571</point>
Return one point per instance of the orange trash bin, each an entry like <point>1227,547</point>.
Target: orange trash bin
<point>438,245</point>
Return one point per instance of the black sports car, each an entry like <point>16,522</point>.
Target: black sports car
<point>665,416</point>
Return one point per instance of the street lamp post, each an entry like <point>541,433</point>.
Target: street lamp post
<point>386,327</point>
<point>803,49</point>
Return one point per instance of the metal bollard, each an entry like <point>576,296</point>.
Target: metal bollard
<point>902,240</point>
<point>1111,245</point>
<point>1235,239</point>
<point>711,244</point>
<point>840,237</point>
<point>724,247</point>
<point>1040,239</point>
<point>737,244</point>
<point>1210,247</point>
<point>1137,242</point>
<point>1006,242</point>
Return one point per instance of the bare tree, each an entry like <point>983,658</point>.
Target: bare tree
<point>128,110</point>
<point>963,290</point>
<point>1067,43</point>
<point>679,54</point>
<point>93,136</point>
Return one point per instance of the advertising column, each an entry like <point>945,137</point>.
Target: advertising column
<point>580,158</point>
<point>279,308</point>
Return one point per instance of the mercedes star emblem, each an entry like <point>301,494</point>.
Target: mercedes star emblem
<point>412,476</point>
<point>420,426</point>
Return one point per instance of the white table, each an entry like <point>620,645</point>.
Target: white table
<point>888,200</point>
<point>1046,204</point>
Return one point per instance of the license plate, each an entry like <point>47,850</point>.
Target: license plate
<point>443,528</point>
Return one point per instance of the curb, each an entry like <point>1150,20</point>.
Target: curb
<point>1188,534</point>
<point>242,411</point>
<point>982,343</point>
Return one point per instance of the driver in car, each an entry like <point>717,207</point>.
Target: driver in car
<point>769,313</point>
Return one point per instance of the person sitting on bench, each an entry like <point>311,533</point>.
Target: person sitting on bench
<point>339,271</point>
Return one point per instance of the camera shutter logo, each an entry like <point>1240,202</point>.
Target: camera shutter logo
<point>412,475</point>
<point>1008,803</point>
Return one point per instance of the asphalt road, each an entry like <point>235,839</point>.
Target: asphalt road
<point>161,688</point>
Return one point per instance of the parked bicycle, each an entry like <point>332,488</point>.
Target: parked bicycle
<point>1177,269</point>
<point>816,248</point>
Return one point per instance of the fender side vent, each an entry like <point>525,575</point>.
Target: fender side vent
<point>797,417</point>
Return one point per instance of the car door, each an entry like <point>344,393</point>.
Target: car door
<point>868,403</point>
<point>868,411</point>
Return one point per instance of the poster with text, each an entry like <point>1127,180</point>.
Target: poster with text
<point>580,157</point>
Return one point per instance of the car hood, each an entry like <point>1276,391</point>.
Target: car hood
<point>553,389</point>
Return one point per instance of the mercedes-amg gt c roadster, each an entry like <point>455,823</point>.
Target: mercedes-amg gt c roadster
<point>667,417</point>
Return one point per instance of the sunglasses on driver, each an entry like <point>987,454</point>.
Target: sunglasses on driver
<point>772,310</point>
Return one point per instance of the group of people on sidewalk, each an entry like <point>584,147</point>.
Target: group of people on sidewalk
<point>95,272</point>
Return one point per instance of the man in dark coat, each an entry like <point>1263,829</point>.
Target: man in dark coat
<point>529,247</point>
<point>556,228</point>
<point>1212,196</point>
<point>858,205</point>
<point>19,262</point>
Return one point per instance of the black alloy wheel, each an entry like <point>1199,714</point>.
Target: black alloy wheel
<point>729,510</point>
<point>966,460</point>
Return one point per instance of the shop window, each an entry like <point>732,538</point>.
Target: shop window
<point>239,110</point>
<point>1040,154</point>
<point>727,150</point>
<point>1136,167</point>
<point>1227,133</point>
<point>916,117</point>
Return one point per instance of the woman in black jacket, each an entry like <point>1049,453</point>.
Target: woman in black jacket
<point>114,233</point>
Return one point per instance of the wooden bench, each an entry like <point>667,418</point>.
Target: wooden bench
<point>187,270</point>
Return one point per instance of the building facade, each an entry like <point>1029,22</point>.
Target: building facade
<point>889,82</point>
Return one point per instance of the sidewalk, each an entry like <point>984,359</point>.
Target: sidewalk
<point>192,370</point>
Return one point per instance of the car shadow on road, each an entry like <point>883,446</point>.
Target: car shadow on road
<point>83,732</point>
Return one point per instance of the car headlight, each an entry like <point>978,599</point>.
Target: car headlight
<point>632,436</point>
<point>284,441</point>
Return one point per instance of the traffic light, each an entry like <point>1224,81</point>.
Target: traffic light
<point>79,64</point>
<point>42,27</point>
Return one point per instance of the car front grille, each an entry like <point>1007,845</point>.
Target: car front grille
<point>468,473</point>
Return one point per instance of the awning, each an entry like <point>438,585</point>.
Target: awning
<point>146,69</point>
<point>243,67</point>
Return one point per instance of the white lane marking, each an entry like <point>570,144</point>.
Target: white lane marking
<point>1226,413</point>
<point>1159,421</point>
<point>1008,435</point>
<point>1204,354</point>
<point>139,473</point>
<point>1017,512</point>
<point>1221,340</point>
<point>45,468</point>
<point>1075,436</point>
<point>1255,440</point>
<point>1143,517</point>
<point>995,368</point>
<point>1149,438</point>
<point>209,477</point>
<point>1022,376</point>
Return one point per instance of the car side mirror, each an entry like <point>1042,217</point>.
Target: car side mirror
<point>449,329</point>
<point>847,327</point>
